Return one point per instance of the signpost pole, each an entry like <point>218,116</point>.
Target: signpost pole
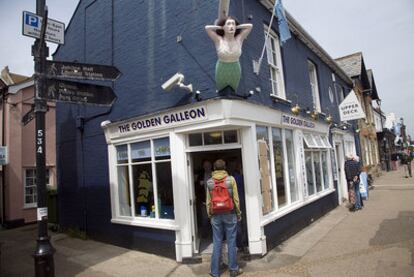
<point>43,256</point>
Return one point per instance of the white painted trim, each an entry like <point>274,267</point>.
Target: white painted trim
<point>277,67</point>
<point>149,223</point>
<point>272,216</point>
<point>15,88</point>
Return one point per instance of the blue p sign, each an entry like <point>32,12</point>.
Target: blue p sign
<point>32,20</point>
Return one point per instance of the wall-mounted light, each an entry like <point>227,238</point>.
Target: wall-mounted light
<point>328,119</point>
<point>296,109</point>
<point>314,115</point>
<point>197,95</point>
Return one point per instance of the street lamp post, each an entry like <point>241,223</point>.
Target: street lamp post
<point>43,256</point>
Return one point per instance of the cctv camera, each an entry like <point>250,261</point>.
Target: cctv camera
<point>173,81</point>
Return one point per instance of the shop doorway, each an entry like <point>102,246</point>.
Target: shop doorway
<point>201,163</point>
<point>342,186</point>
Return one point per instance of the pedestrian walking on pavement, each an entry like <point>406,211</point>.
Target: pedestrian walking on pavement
<point>223,209</point>
<point>406,159</point>
<point>352,171</point>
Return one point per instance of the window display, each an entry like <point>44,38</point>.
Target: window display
<point>150,182</point>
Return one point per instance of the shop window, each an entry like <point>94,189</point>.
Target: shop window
<point>230,136</point>
<point>325,169</point>
<point>195,139</point>
<point>276,158</point>
<point>124,191</point>
<point>213,138</point>
<point>278,162</point>
<point>30,188</point>
<point>145,179</point>
<point>290,154</point>
<point>310,177</point>
<point>141,151</point>
<point>264,165</point>
<point>316,162</point>
<point>317,170</point>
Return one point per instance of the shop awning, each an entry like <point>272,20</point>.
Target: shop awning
<point>316,141</point>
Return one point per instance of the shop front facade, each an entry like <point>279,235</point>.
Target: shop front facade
<point>133,181</point>
<point>286,165</point>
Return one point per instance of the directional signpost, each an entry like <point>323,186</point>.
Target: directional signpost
<point>48,87</point>
<point>79,93</point>
<point>82,71</point>
<point>29,116</point>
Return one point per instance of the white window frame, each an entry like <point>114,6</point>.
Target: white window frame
<point>150,222</point>
<point>312,140</point>
<point>47,183</point>
<point>274,60</point>
<point>323,188</point>
<point>339,93</point>
<point>313,79</point>
<point>289,203</point>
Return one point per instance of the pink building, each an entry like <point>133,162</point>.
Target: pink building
<point>18,182</point>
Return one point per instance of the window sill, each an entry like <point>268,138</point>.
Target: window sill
<point>277,98</point>
<point>165,224</point>
<point>29,206</point>
<point>269,218</point>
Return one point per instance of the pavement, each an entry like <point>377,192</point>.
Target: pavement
<point>377,241</point>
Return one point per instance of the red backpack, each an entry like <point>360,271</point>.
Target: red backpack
<point>221,201</point>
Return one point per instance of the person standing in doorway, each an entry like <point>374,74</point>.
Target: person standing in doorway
<point>201,184</point>
<point>223,209</point>
<point>352,171</point>
<point>235,169</point>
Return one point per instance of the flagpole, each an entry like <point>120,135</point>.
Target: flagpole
<point>264,46</point>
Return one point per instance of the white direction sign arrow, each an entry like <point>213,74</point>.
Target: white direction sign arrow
<point>32,23</point>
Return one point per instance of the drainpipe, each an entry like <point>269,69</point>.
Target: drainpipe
<point>3,173</point>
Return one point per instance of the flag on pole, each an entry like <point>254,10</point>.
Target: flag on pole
<point>282,22</point>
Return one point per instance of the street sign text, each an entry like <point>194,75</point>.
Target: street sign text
<point>32,23</point>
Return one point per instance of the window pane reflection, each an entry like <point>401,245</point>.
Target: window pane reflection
<point>165,190</point>
<point>290,152</point>
<point>309,173</point>
<point>264,165</point>
<point>143,189</point>
<point>123,191</point>
<point>212,138</point>
<point>195,139</point>
<point>317,168</point>
<point>279,165</point>
<point>141,151</point>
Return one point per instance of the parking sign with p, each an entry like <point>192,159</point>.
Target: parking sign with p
<point>32,24</point>
<point>32,20</point>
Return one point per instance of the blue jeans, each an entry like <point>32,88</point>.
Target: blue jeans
<point>357,196</point>
<point>224,224</point>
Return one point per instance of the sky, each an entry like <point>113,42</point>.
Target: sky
<point>382,30</point>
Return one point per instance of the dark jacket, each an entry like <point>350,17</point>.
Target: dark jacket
<point>352,169</point>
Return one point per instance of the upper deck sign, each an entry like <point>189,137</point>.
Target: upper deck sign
<point>32,23</point>
<point>351,108</point>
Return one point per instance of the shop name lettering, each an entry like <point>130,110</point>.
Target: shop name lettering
<point>164,120</point>
<point>350,109</point>
<point>297,122</point>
